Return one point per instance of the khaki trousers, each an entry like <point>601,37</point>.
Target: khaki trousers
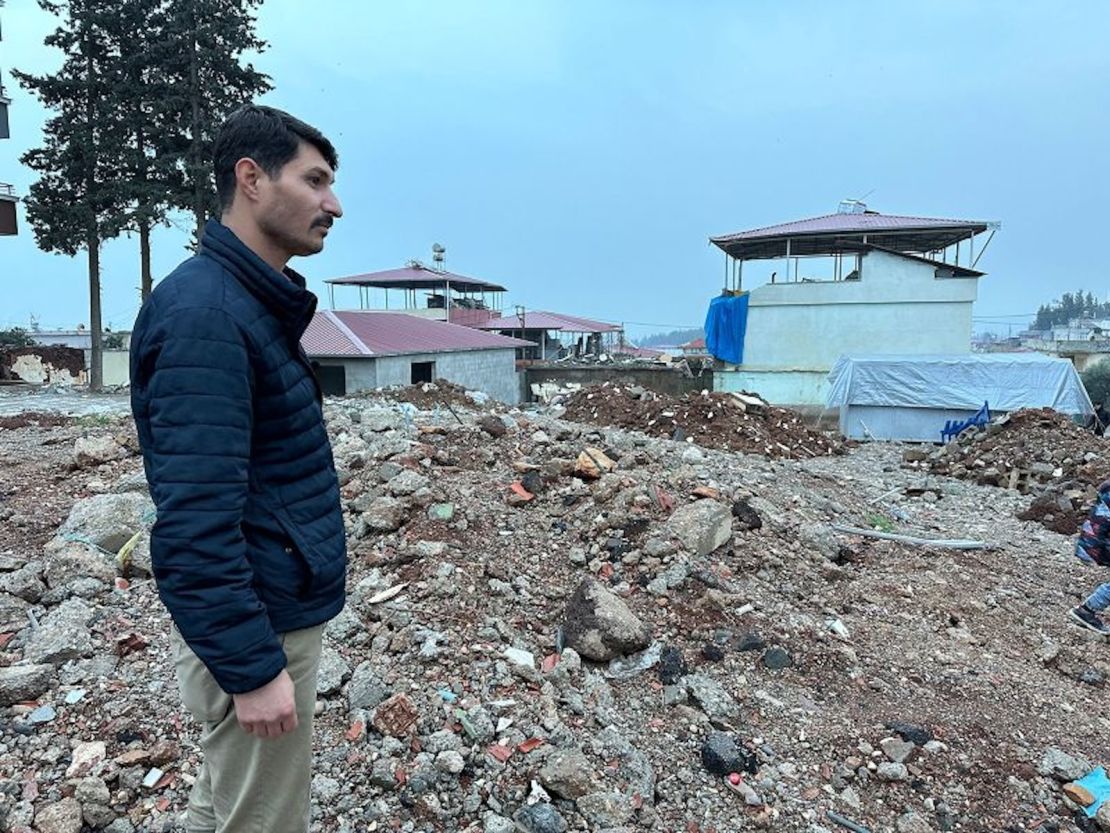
<point>248,784</point>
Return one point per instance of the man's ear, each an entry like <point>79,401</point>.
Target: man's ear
<point>247,177</point>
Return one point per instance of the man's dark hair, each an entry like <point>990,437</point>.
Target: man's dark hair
<point>267,135</point>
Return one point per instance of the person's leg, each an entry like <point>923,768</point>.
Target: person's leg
<point>1099,600</point>
<point>259,785</point>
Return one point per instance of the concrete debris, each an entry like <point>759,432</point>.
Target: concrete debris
<point>603,656</point>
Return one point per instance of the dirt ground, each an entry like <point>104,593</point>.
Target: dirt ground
<point>969,652</point>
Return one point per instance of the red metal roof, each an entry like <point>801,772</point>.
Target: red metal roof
<point>362,333</point>
<point>828,233</point>
<point>550,321</point>
<point>833,223</point>
<point>417,276</point>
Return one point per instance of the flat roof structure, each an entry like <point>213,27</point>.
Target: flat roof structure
<point>835,233</point>
<point>446,290</point>
<point>417,276</point>
<point>540,320</point>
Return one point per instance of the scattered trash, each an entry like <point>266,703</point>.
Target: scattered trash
<point>839,629</point>
<point>43,714</point>
<point>1097,785</point>
<point>386,595</point>
<point>501,753</point>
<point>836,818</point>
<point>152,778</point>
<point>623,668</point>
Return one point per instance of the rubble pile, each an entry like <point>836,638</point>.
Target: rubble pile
<point>429,395</point>
<point>1037,452</point>
<point>554,626</point>
<point>723,421</point>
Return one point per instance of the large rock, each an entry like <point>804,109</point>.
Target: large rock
<point>1055,763</point>
<point>721,755</point>
<point>77,561</point>
<point>106,521</point>
<point>332,673</point>
<point>702,526</point>
<point>132,483</point>
<point>605,809</point>
<point>540,818</point>
<point>63,635</point>
<point>406,483</point>
<point>717,703</point>
<point>13,612</point>
<point>366,689</point>
<point>24,682</point>
<point>599,626</point>
<point>92,451</point>
<point>385,514</point>
<point>61,817</point>
<point>24,583</point>
<point>568,774</point>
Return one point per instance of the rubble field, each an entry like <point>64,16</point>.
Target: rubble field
<point>1036,452</point>
<point>553,625</point>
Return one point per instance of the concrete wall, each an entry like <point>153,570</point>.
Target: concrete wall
<point>898,306</point>
<point>789,387</point>
<point>797,331</point>
<point>659,379</point>
<point>491,371</point>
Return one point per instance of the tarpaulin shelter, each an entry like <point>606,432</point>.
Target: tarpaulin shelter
<point>911,397</point>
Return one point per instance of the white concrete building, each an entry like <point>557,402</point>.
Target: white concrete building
<point>889,288</point>
<point>354,351</point>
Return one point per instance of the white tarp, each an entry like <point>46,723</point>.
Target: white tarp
<point>1007,381</point>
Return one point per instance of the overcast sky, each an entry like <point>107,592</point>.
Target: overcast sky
<point>581,153</point>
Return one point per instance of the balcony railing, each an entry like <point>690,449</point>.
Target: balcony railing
<point>7,190</point>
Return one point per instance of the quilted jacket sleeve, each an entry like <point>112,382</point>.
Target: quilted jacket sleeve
<point>198,391</point>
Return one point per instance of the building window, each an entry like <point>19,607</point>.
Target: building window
<point>423,372</point>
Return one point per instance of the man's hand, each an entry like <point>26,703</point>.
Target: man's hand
<point>270,711</point>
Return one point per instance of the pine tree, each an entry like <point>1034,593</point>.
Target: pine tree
<point>206,81</point>
<point>77,202</point>
<point>150,165</point>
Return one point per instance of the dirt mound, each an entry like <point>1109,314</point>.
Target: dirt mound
<point>33,419</point>
<point>722,421</point>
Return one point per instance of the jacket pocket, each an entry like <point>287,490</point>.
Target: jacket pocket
<point>322,571</point>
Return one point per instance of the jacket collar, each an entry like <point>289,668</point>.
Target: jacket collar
<point>283,293</point>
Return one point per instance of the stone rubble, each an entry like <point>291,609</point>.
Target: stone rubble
<point>666,636</point>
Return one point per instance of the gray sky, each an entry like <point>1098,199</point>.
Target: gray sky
<point>581,153</point>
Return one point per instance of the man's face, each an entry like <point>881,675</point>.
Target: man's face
<point>297,207</point>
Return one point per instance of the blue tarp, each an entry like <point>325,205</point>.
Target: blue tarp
<point>725,326</point>
<point>1099,786</point>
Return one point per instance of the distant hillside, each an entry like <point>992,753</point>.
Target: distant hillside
<point>673,338</point>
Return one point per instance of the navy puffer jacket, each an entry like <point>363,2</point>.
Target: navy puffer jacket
<point>249,539</point>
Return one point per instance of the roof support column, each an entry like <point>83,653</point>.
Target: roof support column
<point>788,261</point>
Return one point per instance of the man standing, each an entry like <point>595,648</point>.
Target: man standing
<point>249,551</point>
